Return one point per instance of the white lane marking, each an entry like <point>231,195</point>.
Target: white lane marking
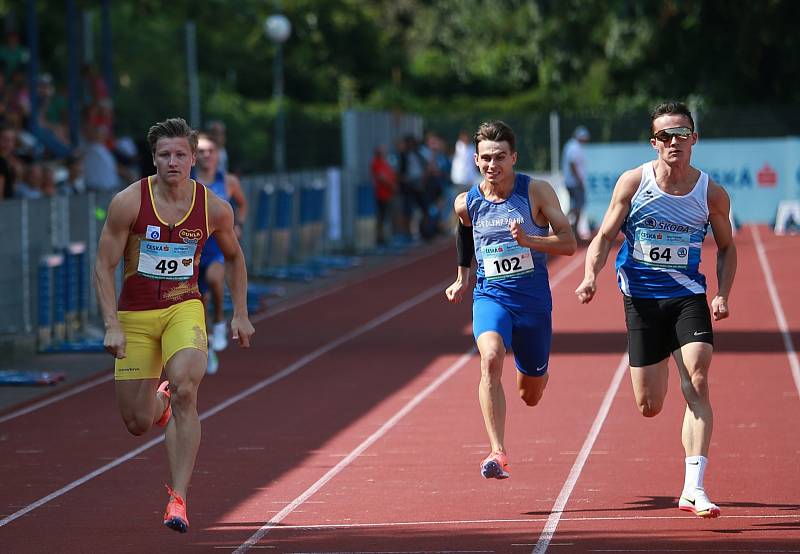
<point>493,522</point>
<point>255,319</point>
<point>262,532</point>
<point>558,508</point>
<point>335,470</point>
<point>56,398</point>
<point>777,308</point>
<point>397,310</point>
<point>327,291</point>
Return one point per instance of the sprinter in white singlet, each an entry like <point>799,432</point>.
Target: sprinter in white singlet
<point>664,208</point>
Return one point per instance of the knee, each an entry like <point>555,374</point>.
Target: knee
<point>530,397</point>
<point>136,424</point>
<point>491,365</point>
<point>184,396</point>
<point>696,388</point>
<point>649,407</point>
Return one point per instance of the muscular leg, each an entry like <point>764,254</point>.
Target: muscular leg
<point>650,387</point>
<point>531,387</point>
<point>185,371</point>
<point>490,391</point>
<point>139,404</point>
<point>693,361</point>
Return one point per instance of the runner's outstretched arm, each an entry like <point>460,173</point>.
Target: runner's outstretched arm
<point>597,253</point>
<point>220,216</point>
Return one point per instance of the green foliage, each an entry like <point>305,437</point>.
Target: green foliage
<point>430,56</point>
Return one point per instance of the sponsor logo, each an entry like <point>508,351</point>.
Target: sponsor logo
<point>681,252</point>
<point>187,262</point>
<point>653,223</point>
<point>698,333</point>
<point>191,235</point>
<point>766,176</point>
<point>157,247</point>
<point>153,232</point>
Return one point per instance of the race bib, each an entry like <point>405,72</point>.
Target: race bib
<point>661,248</point>
<point>166,260</point>
<point>505,260</point>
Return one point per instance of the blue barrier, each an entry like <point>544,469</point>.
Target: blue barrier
<point>45,295</point>
<point>63,300</point>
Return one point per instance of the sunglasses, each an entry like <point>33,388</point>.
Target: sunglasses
<point>665,135</point>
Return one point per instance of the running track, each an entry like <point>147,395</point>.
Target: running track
<point>352,425</point>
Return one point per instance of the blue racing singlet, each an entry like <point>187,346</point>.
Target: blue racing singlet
<point>211,251</point>
<point>510,273</point>
<point>660,257</point>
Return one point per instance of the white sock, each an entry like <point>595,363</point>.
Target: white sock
<point>695,470</point>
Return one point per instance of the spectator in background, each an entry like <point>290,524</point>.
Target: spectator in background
<point>384,180</point>
<point>95,88</point>
<point>74,183</point>
<point>19,95</point>
<point>99,165</point>
<point>411,172</point>
<point>52,108</point>
<point>30,186</point>
<point>464,173</point>
<point>218,133</point>
<point>51,135</point>
<point>12,55</point>
<point>10,164</point>
<point>6,180</point>
<point>573,167</point>
<point>436,183</point>
<point>48,184</point>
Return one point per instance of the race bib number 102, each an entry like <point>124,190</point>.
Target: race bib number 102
<point>166,260</point>
<point>505,260</point>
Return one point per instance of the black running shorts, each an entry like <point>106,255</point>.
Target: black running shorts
<point>659,326</point>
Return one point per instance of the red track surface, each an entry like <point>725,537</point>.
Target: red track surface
<point>322,452</point>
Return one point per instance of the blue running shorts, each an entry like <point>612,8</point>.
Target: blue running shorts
<point>211,254</point>
<point>528,333</point>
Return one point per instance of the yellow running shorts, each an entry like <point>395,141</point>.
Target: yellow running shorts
<point>154,336</point>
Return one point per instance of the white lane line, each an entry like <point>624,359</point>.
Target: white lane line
<point>494,522</point>
<point>255,319</point>
<point>777,307</point>
<point>327,291</point>
<point>262,532</point>
<point>66,394</point>
<point>369,441</point>
<point>558,508</point>
<point>397,310</point>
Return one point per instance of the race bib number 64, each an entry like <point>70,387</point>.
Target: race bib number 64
<point>661,248</point>
<point>166,260</point>
<point>508,259</point>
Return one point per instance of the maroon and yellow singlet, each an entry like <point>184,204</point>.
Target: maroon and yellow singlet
<point>161,260</point>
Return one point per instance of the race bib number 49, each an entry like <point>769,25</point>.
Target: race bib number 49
<point>661,248</point>
<point>506,260</point>
<point>166,260</point>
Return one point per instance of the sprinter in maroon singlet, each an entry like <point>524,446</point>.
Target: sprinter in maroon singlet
<point>159,224</point>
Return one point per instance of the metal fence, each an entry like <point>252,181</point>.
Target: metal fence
<point>294,231</point>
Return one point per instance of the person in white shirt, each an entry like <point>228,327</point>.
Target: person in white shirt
<point>573,167</point>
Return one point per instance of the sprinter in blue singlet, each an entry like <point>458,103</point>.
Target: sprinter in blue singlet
<point>664,208</point>
<point>504,222</point>
<point>212,262</point>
